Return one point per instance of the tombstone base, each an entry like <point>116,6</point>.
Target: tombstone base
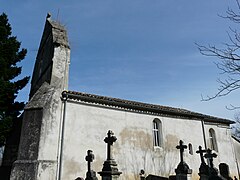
<point>91,175</point>
<point>110,170</point>
<point>112,177</point>
<point>183,177</point>
<point>110,166</point>
<point>214,174</point>
<point>183,172</point>
<point>183,169</point>
<point>203,171</point>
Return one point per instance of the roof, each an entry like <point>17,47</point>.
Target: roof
<point>142,107</point>
<point>236,138</point>
<point>56,31</point>
<point>59,33</point>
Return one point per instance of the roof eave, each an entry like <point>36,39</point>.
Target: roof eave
<point>91,98</point>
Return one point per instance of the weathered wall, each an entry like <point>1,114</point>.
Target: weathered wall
<point>236,145</point>
<point>225,147</point>
<point>53,57</point>
<point>37,156</point>
<point>39,144</point>
<point>86,126</point>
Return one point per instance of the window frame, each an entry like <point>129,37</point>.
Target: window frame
<point>213,140</point>
<point>157,133</point>
<point>190,148</point>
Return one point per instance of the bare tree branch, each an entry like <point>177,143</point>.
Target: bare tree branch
<point>232,107</point>
<point>228,63</point>
<point>229,59</point>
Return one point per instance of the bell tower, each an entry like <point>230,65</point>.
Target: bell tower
<point>53,57</point>
<point>39,143</point>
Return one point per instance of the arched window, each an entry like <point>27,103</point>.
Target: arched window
<point>213,140</point>
<point>190,149</point>
<point>157,133</point>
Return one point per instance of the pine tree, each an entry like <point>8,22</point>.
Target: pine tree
<point>10,55</point>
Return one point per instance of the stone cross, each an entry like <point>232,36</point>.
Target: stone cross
<point>110,169</point>
<point>201,151</point>
<point>181,147</point>
<point>209,155</point>
<point>110,139</point>
<point>90,175</point>
<point>183,172</point>
<point>89,158</point>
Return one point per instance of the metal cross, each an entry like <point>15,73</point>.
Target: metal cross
<point>201,151</point>
<point>181,147</point>
<point>209,155</point>
<point>89,158</point>
<point>110,139</point>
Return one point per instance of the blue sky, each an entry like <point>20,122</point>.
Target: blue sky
<point>141,50</point>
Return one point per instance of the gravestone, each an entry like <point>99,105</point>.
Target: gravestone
<point>213,172</point>
<point>183,172</point>
<point>204,169</point>
<point>90,175</point>
<point>110,169</point>
<point>224,171</point>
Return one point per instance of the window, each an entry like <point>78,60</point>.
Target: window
<point>157,133</point>
<point>190,149</point>
<point>213,140</point>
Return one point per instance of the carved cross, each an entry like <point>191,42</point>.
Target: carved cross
<point>201,151</point>
<point>181,147</point>
<point>89,158</point>
<point>209,155</point>
<point>110,139</point>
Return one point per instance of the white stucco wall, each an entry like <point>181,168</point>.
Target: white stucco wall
<point>225,147</point>
<point>236,145</point>
<point>86,126</point>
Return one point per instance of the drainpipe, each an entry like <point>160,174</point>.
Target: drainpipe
<point>61,135</point>
<point>204,137</point>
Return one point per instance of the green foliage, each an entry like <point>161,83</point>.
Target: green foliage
<point>10,55</point>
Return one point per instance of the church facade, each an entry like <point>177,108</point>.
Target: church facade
<point>59,126</point>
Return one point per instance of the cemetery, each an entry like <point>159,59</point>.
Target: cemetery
<point>207,171</point>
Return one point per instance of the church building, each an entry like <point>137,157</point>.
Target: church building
<point>60,125</point>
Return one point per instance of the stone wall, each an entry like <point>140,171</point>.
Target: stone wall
<point>40,142</point>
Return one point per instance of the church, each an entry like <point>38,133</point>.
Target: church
<point>59,127</point>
